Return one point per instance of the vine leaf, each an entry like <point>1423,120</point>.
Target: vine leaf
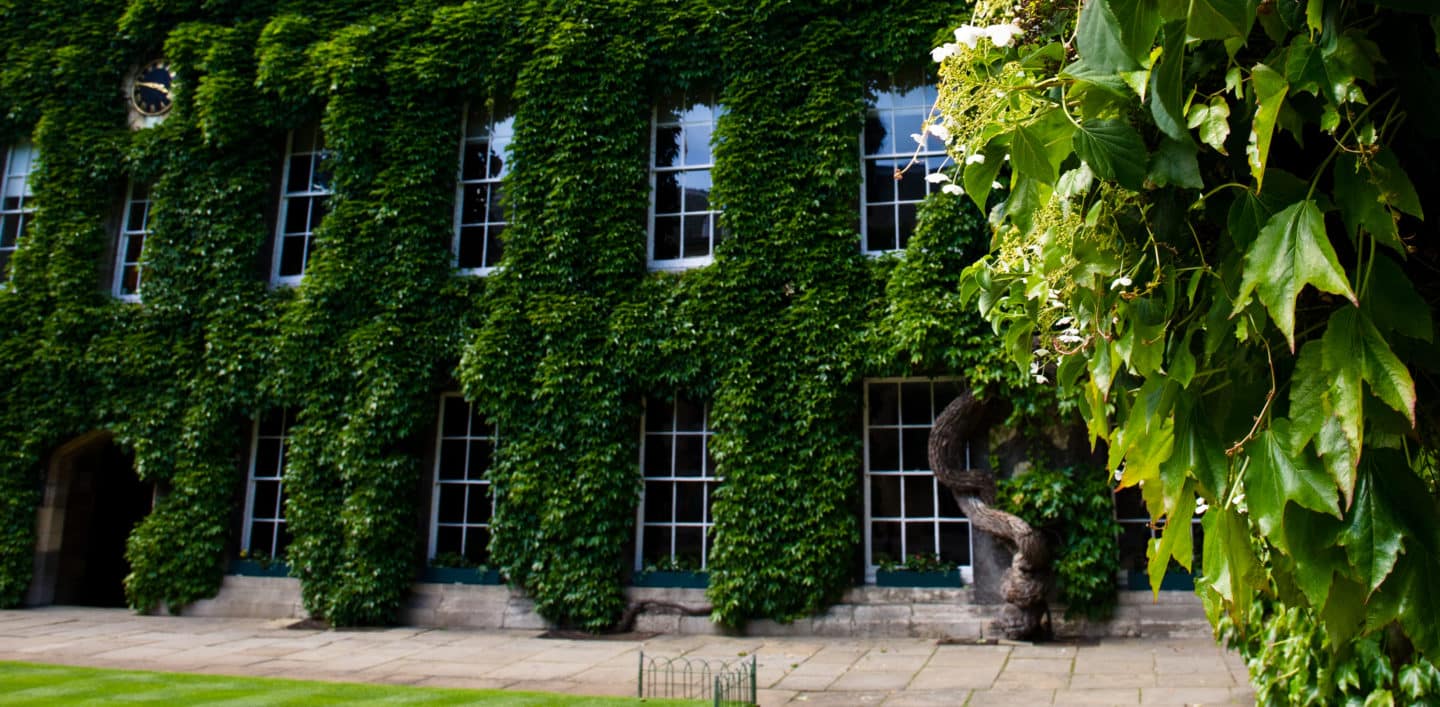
<point>1270,88</point>
<point>1291,251</point>
<point>1351,340</point>
<point>980,175</point>
<point>1114,150</point>
<point>1393,302</point>
<point>1311,536</point>
<point>1231,568</point>
<point>1167,90</point>
<point>1213,120</point>
<point>1098,39</point>
<point>1279,474</point>
<point>1394,185</point>
<point>1361,205</point>
<point>1176,542</point>
<point>1371,535</point>
<point>1220,19</point>
<point>1176,163</point>
<point>1325,405</point>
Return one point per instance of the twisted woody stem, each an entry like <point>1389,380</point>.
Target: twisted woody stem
<point>1027,581</point>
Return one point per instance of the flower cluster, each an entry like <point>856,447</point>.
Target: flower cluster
<point>1001,35</point>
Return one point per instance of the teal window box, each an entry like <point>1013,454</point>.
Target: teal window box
<point>1175,580</point>
<point>907,578</point>
<point>251,568</point>
<point>683,580</point>
<point>459,575</point>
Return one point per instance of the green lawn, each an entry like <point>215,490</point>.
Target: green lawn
<point>34,684</point>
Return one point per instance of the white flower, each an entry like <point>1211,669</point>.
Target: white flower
<point>939,131</point>
<point>1041,379</point>
<point>1120,282</point>
<point>1042,352</point>
<point>937,177</point>
<point>1201,506</point>
<point>975,158</point>
<point>995,185</point>
<point>969,35</point>
<point>1069,339</point>
<point>918,138</point>
<point>945,51</point>
<point>1003,35</point>
<point>1120,473</point>
<point>952,189</point>
<point>1064,321</point>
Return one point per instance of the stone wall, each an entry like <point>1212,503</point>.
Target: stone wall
<point>861,612</point>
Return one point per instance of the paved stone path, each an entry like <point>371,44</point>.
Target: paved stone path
<point>801,671</point>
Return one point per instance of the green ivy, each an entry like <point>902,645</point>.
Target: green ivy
<point>1073,506</point>
<point>559,347</point>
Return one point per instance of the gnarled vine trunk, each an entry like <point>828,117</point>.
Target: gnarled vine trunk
<point>1027,581</point>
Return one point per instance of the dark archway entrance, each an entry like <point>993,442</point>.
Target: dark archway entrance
<point>93,499</point>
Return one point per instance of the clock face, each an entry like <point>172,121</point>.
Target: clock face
<point>150,92</point>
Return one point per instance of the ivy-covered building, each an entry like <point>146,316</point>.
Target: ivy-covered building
<point>569,289</point>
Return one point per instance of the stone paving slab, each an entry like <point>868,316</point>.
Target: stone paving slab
<point>791,670</point>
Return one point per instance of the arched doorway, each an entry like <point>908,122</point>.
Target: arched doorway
<point>93,499</point>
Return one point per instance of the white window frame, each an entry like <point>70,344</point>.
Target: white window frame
<point>16,181</point>
<point>681,168</point>
<point>966,571</point>
<point>495,185</point>
<point>318,155</point>
<point>470,485</point>
<point>929,158</point>
<point>708,478</point>
<point>286,423</point>
<point>128,232</point>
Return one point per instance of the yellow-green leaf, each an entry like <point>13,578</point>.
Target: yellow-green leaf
<point>1269,88</point>
<point>1291,251</point>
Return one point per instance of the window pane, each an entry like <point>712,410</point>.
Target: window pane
<point>880,227</point>
<point>452,503</point>
<point>667,146</point>
<point>920,539</point>
<point>659,504</point>
<point>657,455</point>
<point>919,496</point>
<point>884,450</point>
<point>906,225</point>
<point>478,504</point>
<point>884,404</point>
<point>448,539</point>
<point>915,403</point>
<point>494,247</point>
<point>667,237</point>
<point>292,255</point>
<point>456,414</point>
<point>955,543</point>
<point>477,545</point>
<point>877,140</point>
<point>689,544</point>
<point>452,459</point>
<point>689,502</point>
<point>879,181</point>
<point>659,416</point>
<point>475,203</point>
<point>480,453</point>
<point>689,455</point>
<point>689,415</point>
<point>657,544</point>
<point>697,143</point>
<point>697,190</point>
<point>885,496</point>
<point>262,538</point>
<point>667,193</point>
<point>267,458</point>
<point>697,236</point>
<point>267,500</point>
<point>915,454</point>
<point>472,247</point>
<point>476,161</point>
<point>885,542</point>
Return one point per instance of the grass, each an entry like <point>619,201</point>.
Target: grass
<point>36,684</point>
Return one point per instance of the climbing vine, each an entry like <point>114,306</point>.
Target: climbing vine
<point>559,346</point>
<point>1208,229</point>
